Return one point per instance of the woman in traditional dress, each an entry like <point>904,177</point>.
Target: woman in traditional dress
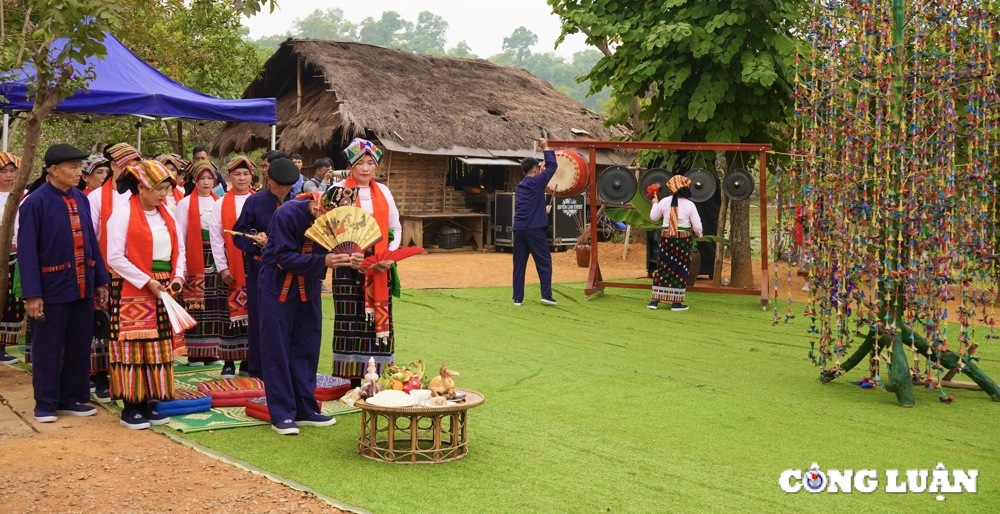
<point>176,164</point>
<point>362,325</point>
<point>146,251</point>
<point>680,221</point>
<point>194,214</point>
<point>13,311</point>
<point>95,170</point>
<point>231,295</point>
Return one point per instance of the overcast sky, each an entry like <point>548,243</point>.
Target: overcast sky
<point>482,25</point>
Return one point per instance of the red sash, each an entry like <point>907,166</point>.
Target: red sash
<point>194,285</point>
<point>237,291</point>
<point>377,284</point>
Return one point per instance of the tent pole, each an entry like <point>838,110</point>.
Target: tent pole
<point>138,143</point>
<point>6,121</point>
<point>274,137</point>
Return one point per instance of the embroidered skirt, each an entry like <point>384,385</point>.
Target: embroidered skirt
<point>203,340</point>
<point>670,276</point>
<point>141,364</point>
<point>13,311</point>
<point>353,335</point>
<point>233,343</point>
<point>100,348</point>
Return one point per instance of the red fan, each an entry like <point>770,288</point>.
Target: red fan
<point>391,255</point>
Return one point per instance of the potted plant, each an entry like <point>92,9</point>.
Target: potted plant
<point>582,247</point>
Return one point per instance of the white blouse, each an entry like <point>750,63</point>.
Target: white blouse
<point>365,195</point>
<point>118,234</point>
<point>687,214</point>
<point>94,197</point>
<point>205,204</point>
<point>4,196</point>
<point>215,231</point>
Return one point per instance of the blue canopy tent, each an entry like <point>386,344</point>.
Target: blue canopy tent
<point>124,85</point>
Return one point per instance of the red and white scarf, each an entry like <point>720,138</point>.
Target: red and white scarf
<point>139,251</point>
<point>377,283</point>
<point>237,300</point>
<point>194,285</point>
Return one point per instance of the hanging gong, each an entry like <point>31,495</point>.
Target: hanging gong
<point>655,176</point>
<point>616,185</point>
<point>702,184</point>
<point>738,184</point>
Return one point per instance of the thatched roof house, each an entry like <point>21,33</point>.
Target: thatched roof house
<point>452,128</point>
<point>330,92</point>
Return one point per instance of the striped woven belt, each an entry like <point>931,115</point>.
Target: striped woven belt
<point>57,267</point>
<point>681,234</point>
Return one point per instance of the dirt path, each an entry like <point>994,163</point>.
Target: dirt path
<point>93,464</point>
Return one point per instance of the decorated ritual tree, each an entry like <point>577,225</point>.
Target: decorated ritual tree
<point>894,170</point>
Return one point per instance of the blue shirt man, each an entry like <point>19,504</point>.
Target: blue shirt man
<point>63,276</point>
<point>531,224</point>
<point>256,219</point>
<point>292,269</point>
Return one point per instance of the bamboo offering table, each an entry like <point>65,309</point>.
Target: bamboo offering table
<point>416,435</point>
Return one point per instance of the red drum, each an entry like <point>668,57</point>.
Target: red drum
<point>572,174</point>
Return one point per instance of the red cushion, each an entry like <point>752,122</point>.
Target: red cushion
<point>232,392</point>
<point>330,388</point>
<point>257,408</point>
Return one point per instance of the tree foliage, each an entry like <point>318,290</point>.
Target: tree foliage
<point>520,42</point>
<point>704,71</point>
<point>694,71</point>
<point>81,23</point>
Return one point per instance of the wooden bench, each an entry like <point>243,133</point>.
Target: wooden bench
<point>470,223</point>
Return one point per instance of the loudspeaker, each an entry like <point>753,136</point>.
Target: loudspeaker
<point>738,184</point>
<point>703,184</point>
<point>655,176</point>
<point>616,185</point>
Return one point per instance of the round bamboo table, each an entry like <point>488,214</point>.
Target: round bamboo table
<point>416,435</point>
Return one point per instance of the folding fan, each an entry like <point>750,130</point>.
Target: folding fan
<point>179,318</point>
<point>346,229</point>
<point>391,255</point>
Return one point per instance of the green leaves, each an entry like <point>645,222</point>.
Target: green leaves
<point>758,68</point>
<point>740,55</point>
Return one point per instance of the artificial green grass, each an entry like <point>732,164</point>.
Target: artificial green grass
<point>601,405</point>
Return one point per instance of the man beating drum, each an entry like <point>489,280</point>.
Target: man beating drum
<point>531,224</point>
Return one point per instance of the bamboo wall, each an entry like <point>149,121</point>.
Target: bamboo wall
<point>418,185</point>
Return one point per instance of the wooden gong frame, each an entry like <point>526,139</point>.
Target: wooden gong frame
<point>595,282</point>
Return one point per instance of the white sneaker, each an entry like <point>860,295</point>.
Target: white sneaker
<point>517,304</point>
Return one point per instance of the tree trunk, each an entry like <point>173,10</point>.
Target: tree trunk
<point>46,99</point>
<point>739,237</point>
<point>32,133</point>
<point>720,249</point>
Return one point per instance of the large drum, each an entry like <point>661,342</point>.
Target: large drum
<point>572,174</point>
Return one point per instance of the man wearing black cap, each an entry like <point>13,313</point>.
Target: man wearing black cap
<point>63,277</point>
<point>255,219</point>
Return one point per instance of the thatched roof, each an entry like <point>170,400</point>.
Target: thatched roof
<point>409,102</point>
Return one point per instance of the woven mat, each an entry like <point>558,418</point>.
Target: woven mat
<point>188,377</point>
<point>221,418</point>
<point>180,365</point>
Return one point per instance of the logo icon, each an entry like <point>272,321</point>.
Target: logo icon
<point>815,479</point>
